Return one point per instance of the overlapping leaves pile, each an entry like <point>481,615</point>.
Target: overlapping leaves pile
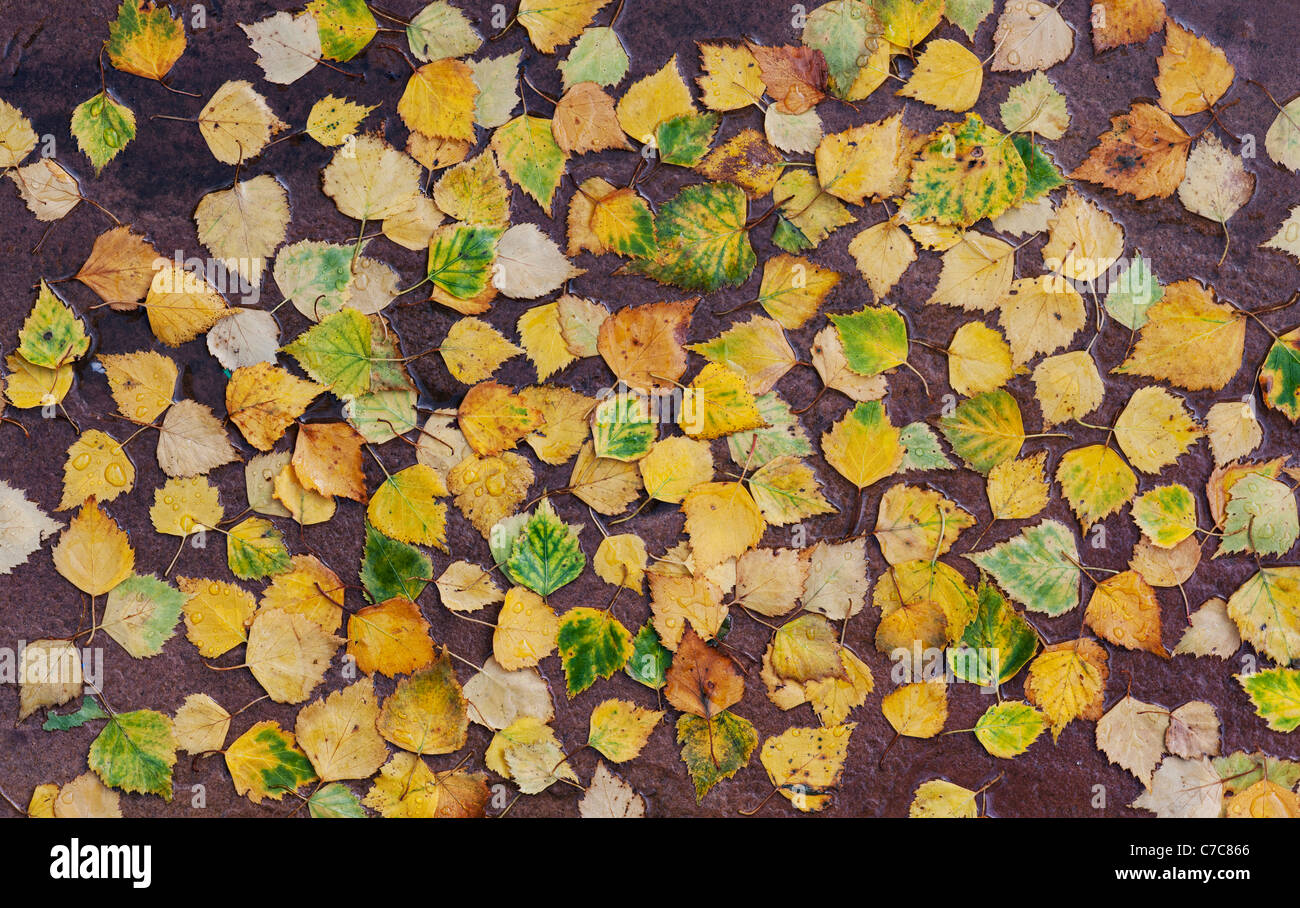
<point>663,435</point>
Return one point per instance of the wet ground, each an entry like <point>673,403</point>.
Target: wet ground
<point>47,66</point>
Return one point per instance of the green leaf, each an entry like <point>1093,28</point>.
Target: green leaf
<point>336,352</point>
<point>1279,377</point>
<point>964,173</point>
<point>1266,609</point>
<point>1008,729</point>
<point>921,450</point>
<point>103,127</point>
<point>1166,514</point>
<point>1041,173</point>
<point>649,661</point>
<point>1241,770</point>
<point>528,153</point>
<point>597,56</point>
<point>1276,695</point>
<point>255,549</point>
<point>141,614</point>
<point>439,31</point>
<point>714,749</point>
<point>135,752</point>
<point>843,30</point>
<point>997,643</point>
<point>52,335</point>
<point>985,430</point>
<point>461,257</point>
<point>501,542</point>
<point>622,427</point>
<point>266,762</point>
<point>88,710</point>
<point>874,339</point>
<point>1135,291</point>
<point>546,554</point>
<point>702,239</point>
<point>1037,568</point>
<point>345,26</point>
<point>335,801</point>
<point>967,14</point>
<point>783,435</point>
<point>381,416</point>
<point>593,644</point>
<point>685,140</point>
<point>316,277</point>
<point>392,569</point>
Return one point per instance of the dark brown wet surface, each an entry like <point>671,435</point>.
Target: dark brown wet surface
<point>47,66</point>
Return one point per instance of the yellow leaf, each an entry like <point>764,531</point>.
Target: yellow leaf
<point>883,252</point>
<point>525,630</point>
<point>145,40</point>
<point>977,273</point>
<point>677,600</point>
<point>621,560</point>
<point>427,712</point>
<point>1189,340</point>
<point>97,466</point>
<point>439,100</point>
<point>288,654</point>
<point>717,403</point>
<point>309,588</point>
<point>338,733</point>
<point>1124,610</point>
<point>473,350</point>
<point>871,161</point>
<point>183,506</point>
<point>539,329</point>
<point>93,553</point>
<point>1031,35</point>
<point>864,445</point>
<point>606,484</point>
<point>407,788</point>
<point>1193,73</point>
<point>832,364</point>
<point>241,226</point>
<point>1155,429</point>
<point>406,507</point>
<point>1067,387</point>
<point>793,288</point>
<point>656,98</point>
<point>331,121</point>
<point>1096,482</point>
<point>939,799</point>
<point>979,360</point>
<point>489,489</point>
<point>619,729</point>
<point>237,123</point>
<point>466,587</point>
<point>142,383</point>
<point>804,763</point>
<point>216,614</point>
<point>913,523</point>
<point>35,386</point>
<point>565,423</point>
<point>494,419</point>
<point>731,77</point>
<point>674,466</point>
<point>181,305</point>
<point>1041,315</point>
<point>1017,488</point>
<point>391,638</point>
<point>263,400</point>
<point>722,522</point>
<point>200,725</point>
<point>1083,242</point>
<point>370,180</point>
<point>917,710</point>
<point>947,76</point>
<point>554,23</point>
<point>1067,681</point>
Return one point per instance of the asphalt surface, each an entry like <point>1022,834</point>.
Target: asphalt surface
<point>47,66</point>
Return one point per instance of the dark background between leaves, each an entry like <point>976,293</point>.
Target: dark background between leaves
<point>47,66</point>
